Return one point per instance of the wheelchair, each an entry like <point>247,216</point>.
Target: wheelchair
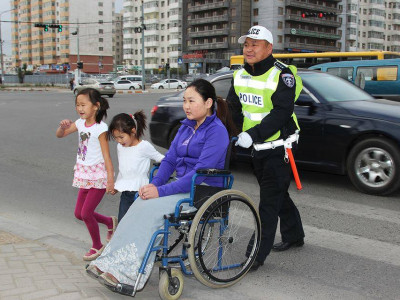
<point>217,240</point>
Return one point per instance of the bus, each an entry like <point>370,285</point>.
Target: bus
<point>305,60</point>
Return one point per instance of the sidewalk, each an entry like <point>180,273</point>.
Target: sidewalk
<point>36,265</point>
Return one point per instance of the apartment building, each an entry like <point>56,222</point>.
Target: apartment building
<point>86,32</point>
<point>212,29</point>
<point>370,25</point>
<point>118,49</point>
<point>162,34</point>
<point>295,33</point>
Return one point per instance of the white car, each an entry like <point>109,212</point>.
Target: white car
<point>169,84</point>
<point>127,85</point>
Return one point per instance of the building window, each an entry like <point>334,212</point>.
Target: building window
<point>233,40</point>
<point>255,23</point>
<point>100,30</point>
<point>280,39</point>
<point>233,12</point>
<point>100,13</point>
<point>280,11</point>
<point>100,48</point>
<point>280,25</point>
<point>101,4</point>
<point>100,40</point>
<point>255,12</point>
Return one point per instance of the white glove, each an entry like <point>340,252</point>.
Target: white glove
<point>244,140</point>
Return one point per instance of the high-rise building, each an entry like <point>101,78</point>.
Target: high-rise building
<point>162,33</point>
<point>211,32</point>
<point>370,25</point>
<point>89,20</point>
<point>118,40</point>
<point>299,25</point>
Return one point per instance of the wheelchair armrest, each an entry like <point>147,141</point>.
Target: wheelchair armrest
<point>156,164</point>
<point>213,172</point>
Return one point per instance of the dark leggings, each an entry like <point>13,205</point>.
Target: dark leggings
<point>86,203</point>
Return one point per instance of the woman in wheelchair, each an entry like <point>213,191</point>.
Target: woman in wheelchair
<point>201,143</point>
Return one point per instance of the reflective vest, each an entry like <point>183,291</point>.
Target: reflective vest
<point>255,94</point>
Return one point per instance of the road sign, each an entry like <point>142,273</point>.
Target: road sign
<point>180,60</point>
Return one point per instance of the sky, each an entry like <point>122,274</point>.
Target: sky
<point>6,27</point>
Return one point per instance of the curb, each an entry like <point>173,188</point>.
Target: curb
<point>132,92</point>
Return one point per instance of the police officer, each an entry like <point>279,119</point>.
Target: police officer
<point>261,100</point>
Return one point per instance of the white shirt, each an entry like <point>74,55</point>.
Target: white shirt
<point>134,165</point>
<point>89,149</point>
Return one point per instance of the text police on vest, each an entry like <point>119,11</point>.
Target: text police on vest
<point>251,99</point>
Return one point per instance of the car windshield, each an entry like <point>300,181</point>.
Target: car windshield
<point>333,88</point>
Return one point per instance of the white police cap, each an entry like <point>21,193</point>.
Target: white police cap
<point>257,33</point>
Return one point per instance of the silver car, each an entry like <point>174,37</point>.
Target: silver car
<point>103,86</point>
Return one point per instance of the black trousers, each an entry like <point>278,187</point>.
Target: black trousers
<point>274,175</point>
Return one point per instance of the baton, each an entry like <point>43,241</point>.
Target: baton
<point>294,169</point>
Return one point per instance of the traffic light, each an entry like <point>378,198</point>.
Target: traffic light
<point>44,26</point>
<point>167,66</point>
<point>79,64</point>
<point>59,28</point>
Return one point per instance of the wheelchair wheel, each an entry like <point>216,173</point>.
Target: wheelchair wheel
<point>171,290</point>
<point>229,253</point>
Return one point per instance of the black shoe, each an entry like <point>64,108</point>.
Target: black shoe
<point>256,265</point>
<point>282,246</point>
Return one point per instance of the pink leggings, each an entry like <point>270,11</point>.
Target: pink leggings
<point>86,203</point>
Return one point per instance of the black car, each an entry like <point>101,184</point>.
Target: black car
<point>344,130</point>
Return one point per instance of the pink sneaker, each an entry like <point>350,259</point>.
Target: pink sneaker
<point>111,231</point>
<point>93,254</point>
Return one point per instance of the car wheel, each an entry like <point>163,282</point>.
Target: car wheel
<point>373,166</point>
<point>76,92</point>
<point>179,87</point>
<point>160,87</point>
<point>172,134</point>
<point>131,87</point>
<point>110,96</point>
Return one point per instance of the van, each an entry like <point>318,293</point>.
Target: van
<point>380,78</point>
<point>132,78</point>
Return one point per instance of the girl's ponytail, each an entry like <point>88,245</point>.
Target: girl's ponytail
<point>141,125</point>
<point>102,112</point>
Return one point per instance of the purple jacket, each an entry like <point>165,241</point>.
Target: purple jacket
<point>191,149</point>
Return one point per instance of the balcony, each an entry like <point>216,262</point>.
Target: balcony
<point>376,40</point>
<point>217,19</point>
<point>208,6</point>
<point>175,42</point>
<point>174,5</point>
<point>174,54</point>
<point>311,47</point>
<point>153,9</point>
<point>207,33</point>
<point>174,29</point>
<point>148,32</point>
<point>309,6</point>
<point>313,20</point>
<point>208,46</point>
<point>175,17</point>
<point>315,34</point>
<point>151,44</point>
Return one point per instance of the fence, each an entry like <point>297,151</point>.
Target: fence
<point>55,79</point>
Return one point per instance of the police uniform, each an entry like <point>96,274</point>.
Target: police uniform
<point>261,100</point>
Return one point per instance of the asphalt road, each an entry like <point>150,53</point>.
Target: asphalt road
<point>352,248</point>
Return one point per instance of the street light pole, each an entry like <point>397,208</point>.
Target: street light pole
<point>1,48</point>
<point>143,70</point>
<point>78,79</point>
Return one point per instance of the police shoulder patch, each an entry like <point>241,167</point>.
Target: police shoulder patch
<point>288,79</point>
<point>280,66</point>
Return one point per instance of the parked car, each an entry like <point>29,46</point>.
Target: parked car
<point>127,85</point>
<point>378,77</point>
<point>103,86</point>
<point>133,78</point>
<point>169,84</point>
<point>344,130</point>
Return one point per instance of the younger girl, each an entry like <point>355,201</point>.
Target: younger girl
<point>134,156</point>
<point>94,173</point>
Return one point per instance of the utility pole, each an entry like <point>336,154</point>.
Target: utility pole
<point>76,32</point>
<point>143,70</point>
<point>1,48</point>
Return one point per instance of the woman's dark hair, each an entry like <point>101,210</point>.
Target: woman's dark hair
<point>207,90</point>
<point>95,96</point>
<point>125,123</point>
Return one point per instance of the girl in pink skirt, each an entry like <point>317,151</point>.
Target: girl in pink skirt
<point>94,173</point>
